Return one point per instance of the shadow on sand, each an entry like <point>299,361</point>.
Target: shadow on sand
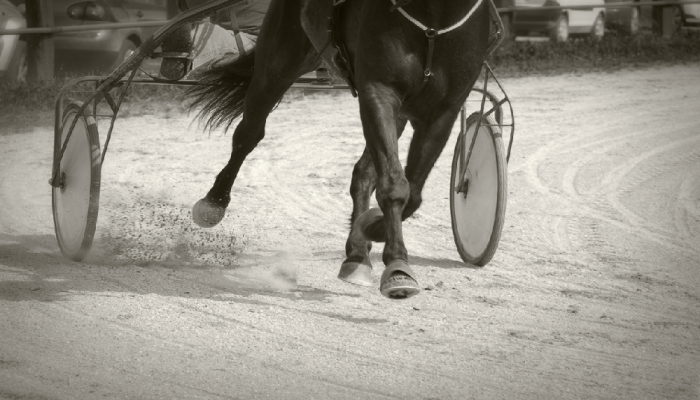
<point>32,268</point>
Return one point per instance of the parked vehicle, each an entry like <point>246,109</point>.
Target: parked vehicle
<point>628,19</point>
<point>13,50</point>
<point>691,15</point>
<point>557,24</point>
<point>634,19</point>
<point>102,50</point>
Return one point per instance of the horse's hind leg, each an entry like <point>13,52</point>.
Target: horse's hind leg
<point>357,267</point>
<point>260,100</point>
<point>283,52</point>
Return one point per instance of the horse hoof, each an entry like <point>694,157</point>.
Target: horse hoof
<point>207,215</point>
<point>371,225</point>
<point>398,282</point>
<point>356,273</point>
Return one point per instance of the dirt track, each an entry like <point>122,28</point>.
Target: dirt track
<point>594,291</point>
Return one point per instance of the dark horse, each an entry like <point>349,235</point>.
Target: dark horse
<point>399,76</point>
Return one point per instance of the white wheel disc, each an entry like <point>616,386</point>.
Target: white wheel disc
<point>478,208</point>
<point>76,201</point>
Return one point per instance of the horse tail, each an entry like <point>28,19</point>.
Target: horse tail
<point>221,91</point>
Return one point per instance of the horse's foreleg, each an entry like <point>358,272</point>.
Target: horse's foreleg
<point>357,267</point>
<point>427,144</point>
<point>428,141</point>
<point>379,110</point>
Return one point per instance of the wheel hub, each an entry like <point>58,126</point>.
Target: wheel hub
<point>61,182</point>
<point>463,188</point>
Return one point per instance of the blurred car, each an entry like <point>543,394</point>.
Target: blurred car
<point>13,50</point>
<point>691,15</point>
<point>557,24</point>
<point>102,50</point>
<point>628,19</point>
<point>634,19</point>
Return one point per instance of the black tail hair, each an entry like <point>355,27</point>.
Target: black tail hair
<point>221,92</point>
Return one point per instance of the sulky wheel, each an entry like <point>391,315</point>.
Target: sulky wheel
<point>76,199</point>
<point>478,193</point>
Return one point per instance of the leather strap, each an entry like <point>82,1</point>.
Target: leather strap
<point>236,31</point>
<point>399,4</point>
<point>427,73</point>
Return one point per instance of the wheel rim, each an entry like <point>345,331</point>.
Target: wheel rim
<point>476,211</point>
<point>74,201</point>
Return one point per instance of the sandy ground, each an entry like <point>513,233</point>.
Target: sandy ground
<point>594,292</point>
